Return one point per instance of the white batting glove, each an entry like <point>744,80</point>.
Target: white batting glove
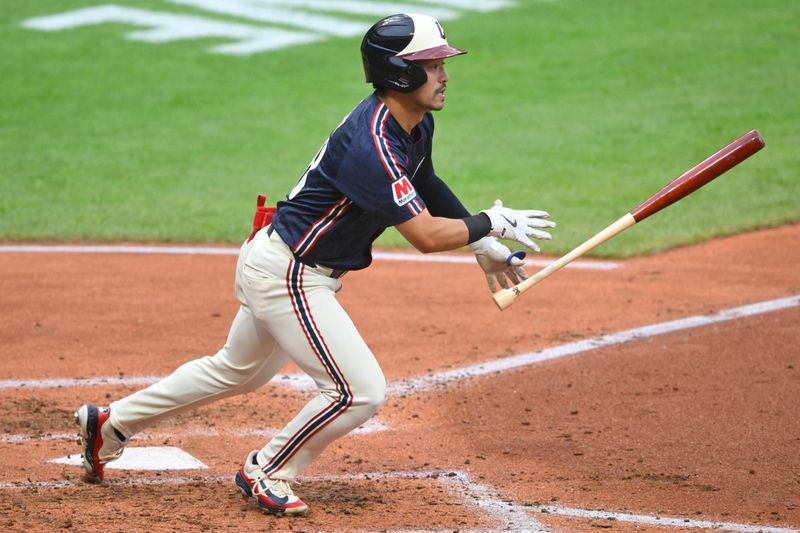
<point>518,225</point>
<point>498,263</point>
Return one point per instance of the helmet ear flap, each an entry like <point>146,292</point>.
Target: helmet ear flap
<point>367,69</point>
<point>392,72</point>
<point>408,76</point>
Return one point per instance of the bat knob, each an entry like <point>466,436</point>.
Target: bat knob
<point>520,254</point>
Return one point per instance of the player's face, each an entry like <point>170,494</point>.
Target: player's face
<point>430,96</point>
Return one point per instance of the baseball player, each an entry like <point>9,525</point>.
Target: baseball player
<point>374,171</point>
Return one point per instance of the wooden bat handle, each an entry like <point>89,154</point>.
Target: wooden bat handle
<point>506,297</point>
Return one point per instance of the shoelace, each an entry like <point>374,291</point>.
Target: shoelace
<point>279,487</point>
<point>109,438</point>
<point>116,454</point>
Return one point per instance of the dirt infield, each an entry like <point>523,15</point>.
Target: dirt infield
<point>689,425</point>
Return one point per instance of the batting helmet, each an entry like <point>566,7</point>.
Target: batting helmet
<point>393,44</point>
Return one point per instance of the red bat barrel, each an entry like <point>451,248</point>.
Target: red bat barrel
<point>700,174</point>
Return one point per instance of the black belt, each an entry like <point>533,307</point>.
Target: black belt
<point>335,273</point>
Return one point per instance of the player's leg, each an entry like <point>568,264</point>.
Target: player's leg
<point>326,345</point>
<point>300,309</point>
<point>249,359</point>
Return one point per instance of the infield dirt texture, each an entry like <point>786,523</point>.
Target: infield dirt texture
<point>692,421</point>
<point>656,389</point>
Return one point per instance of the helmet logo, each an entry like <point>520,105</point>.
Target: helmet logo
<point>439,27</point>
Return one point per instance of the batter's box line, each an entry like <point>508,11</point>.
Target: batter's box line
<point>471,493</point>
<point>508,513</point>
<point>512,516</point>
<point>659,520</point>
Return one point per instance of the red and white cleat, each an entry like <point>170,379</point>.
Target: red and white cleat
<point>274,496</point>
<point>100,442</point>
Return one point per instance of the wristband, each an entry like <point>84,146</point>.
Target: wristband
<point>478,226</point>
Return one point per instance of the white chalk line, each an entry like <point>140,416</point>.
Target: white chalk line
<point>511,516</point>
<point>472,493</point>
<point>425,383</point>
<point>659,520</point>
<point>223,250</point>
<point>505,364</point>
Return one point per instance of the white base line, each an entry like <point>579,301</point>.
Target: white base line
<point>660,520</point>
<point>212,250</point>
<point>526,359</point>
<point>510,515</point>
<point>424,383</point>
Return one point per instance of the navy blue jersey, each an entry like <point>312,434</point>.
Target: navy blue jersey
<point>370,174</point>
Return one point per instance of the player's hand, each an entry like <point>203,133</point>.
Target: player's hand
<point>519,225</point>
<point>498,263</point>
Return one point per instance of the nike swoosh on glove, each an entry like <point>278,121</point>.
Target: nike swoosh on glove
<point>519,225</point>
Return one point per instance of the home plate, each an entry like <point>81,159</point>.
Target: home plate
<point>144,458</point>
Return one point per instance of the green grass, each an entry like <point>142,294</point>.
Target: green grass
<point>580,108</point>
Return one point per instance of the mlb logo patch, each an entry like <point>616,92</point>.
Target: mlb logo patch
<point>404,192</point>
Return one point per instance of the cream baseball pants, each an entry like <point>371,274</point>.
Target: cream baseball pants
<point>288,310</point>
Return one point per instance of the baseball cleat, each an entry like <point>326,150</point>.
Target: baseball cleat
<point>274,496</point>
<point>100,442</point>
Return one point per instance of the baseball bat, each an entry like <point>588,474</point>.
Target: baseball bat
<point>688,182</point>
